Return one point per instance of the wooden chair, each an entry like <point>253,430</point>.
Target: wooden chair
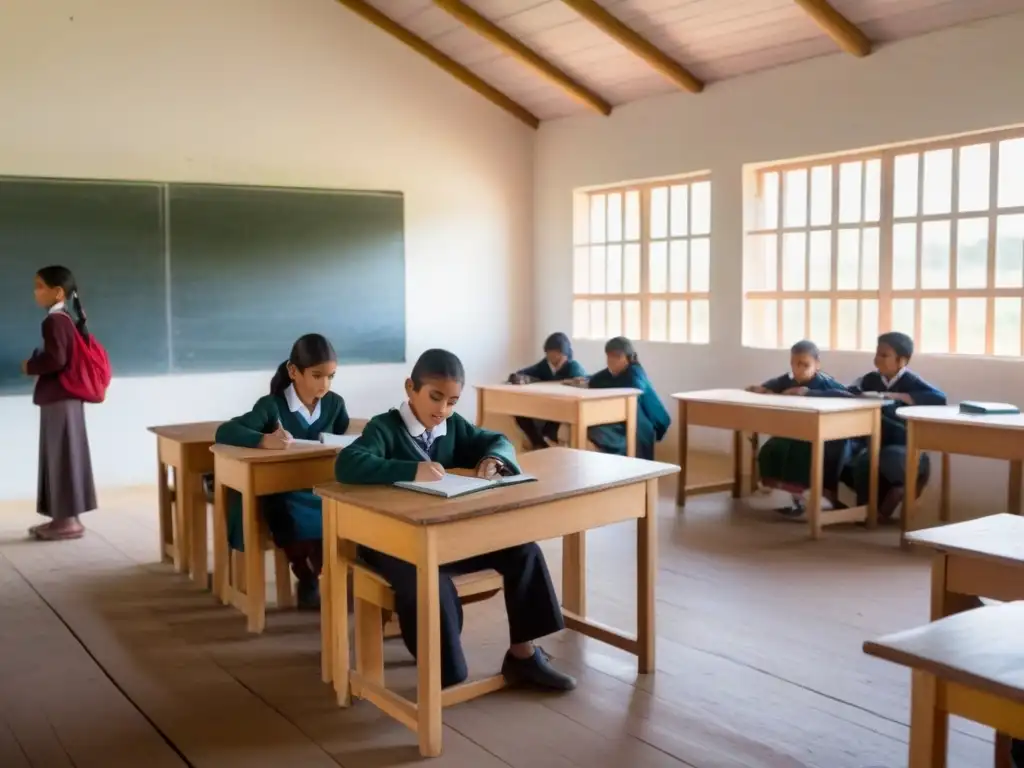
<point>236,593</point>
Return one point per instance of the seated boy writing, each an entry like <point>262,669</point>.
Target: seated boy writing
<point>419,441</point>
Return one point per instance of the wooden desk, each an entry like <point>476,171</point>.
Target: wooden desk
<point>970,665</point>
<point>943,428</point>
<point>576,490</point>
<point>580,409</point>
<point>185,448</point>
<point>814,419</point>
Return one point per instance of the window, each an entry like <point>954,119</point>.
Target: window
<point>927,239</point>
<point>642,262</point>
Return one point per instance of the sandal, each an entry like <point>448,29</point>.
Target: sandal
<point>49,533</point>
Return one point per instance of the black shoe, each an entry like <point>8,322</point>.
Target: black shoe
<point>535,671</point>
<point>309,595</point>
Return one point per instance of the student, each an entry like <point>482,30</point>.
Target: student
<point>300,405</point>
<point>557,365</point>
<point>785,464</point>
<point>898,383</point>
<point>66,486</point>
<point>419,441</point>
<point>652,420</point>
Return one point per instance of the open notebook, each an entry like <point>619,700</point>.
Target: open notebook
<point>451,486</point>
<point>325,439</point>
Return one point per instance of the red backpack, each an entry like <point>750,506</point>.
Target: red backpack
<point>87,374</point>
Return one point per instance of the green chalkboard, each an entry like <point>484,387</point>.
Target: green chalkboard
<point>252,269</point>
<point>111,236</point>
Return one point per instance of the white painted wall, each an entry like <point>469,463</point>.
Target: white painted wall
<point>959,80</point>
<point>275,92</point>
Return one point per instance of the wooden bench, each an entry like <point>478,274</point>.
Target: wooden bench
<point>970,665</point>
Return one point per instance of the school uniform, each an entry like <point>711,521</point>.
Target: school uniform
<point>536,430</point>
<point>652,419</point>
<point>786,463</point>
<point>66,485</point>
<point>392,446</point>
<point>294,516</point>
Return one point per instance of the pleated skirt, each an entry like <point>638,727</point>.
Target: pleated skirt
<point>66,486</point>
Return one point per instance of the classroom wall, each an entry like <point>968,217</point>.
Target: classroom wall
<point>270,92</point>
<point>959,80</point>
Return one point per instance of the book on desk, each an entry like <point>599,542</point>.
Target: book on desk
<point>342,441</point>
<point>975,408</point>
<point>452,486</point>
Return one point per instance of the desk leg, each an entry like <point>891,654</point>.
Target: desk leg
<point>755,471</point>
<point>631,426</point>
<point>428,648</point>
<point>817,478</point>
<point>1016,470</point>
<point>339,613</point>
<point>181,547</point>
<point>944,489</point>
<point>737,464</point>
<point>909,484</point>
<point>681,460</point>
<point>646,575</point>
<point>875,447</point>
<point>221,550</point>
<point>929,725</point>
<point>1003,756</point>
<point>326,592</point>
<point>574,548</point>
<point>166,520</point>
<point>193,501</point>
<point>255,563</point>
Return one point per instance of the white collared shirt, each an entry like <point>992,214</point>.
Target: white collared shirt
<point>295,405</point>
<point>416,428</point>
<point>888,383</point>
<point>58,307</point>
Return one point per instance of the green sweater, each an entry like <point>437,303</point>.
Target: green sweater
<point>386,453</point>
<point>247,430</point>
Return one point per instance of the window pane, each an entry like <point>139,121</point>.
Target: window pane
<point>794,189</point>
<point>632,228</point>
<point>597,269</point>
<point>970,326</point>
<point>850,192</point>
<point>700,265</point>
<point>597,323</point>
<point>615,217</point>
<point>1006,333</point>
<point>677,266</point>
<point>679,214</point>
<point>848,263</point>
<point>904,256</point>
<point>935,325</point>
<point>820,322</point>
<point>769,214</point>
<point>597,218</point>
<point>614,269</point>
<point>761,321</point>
<point>868,324</point>
<point>1011,173</point>
<point>794,273</point>
<point>658,268</point>
<point>794,321</point>
<point>631,320</point>
<point>819,268</point>
<point>581,319</point>
<point>938,181</point>
<point>974,166</point>
<point>903,316</point>
<point>700,208</point>
<point>760,272</point>
<point>1010,251</point>
<point>657,320</point>
<point>872,190</point>
<point>580,218</point>
<point>821,195</point>
<point>904,199</point>
<point>659,212</point>
<point>631,269</point>
<point>613,318</point>
<point>700,321</point>
<point>581,271</point>
<point>972,253</point>
<point>846,324</point>
<point>677,321</point>
<point>935,254</point>
<point>869,259</point>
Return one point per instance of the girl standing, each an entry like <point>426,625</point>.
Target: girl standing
<point>66,486</point>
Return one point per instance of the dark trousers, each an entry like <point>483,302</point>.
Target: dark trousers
<point>306,559</point>
<point>530,600</point>
<point>892,464</point>
<point>536,430</point>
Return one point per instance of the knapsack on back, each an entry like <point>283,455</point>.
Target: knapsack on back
<point>87,373</point>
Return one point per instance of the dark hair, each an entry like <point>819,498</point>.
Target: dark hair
<point>805,347</point>
<point>311,349</point>
<point>61,277</point>
<point>623,345</point>
<point>558,342</point>
<point>437,364</point>
<point>901,344</point>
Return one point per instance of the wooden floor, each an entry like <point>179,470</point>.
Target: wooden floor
<point>110,660</point>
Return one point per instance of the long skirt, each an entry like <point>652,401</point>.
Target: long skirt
<point>291,517</point>
<point>66,486</point>
<point>611,438</point>
<point>785,463</point>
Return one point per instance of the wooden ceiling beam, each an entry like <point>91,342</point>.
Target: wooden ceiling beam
<point>513,47</point>
<point>637,44</point>
<point>845,33</point>
<point>448,64</point>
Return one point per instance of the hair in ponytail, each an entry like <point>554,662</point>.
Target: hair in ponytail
<point>310,350</point>
<point>61,277</point>
<point>623,345</point>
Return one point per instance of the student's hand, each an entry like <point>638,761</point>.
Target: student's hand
<point>519,378</point>
<point>900,397</point>
<point>488,468</point>
<point>24,367</point>
<point>277,440</point>
<point>795,391</point>
<point>429,472</point>
<point>757,389</point>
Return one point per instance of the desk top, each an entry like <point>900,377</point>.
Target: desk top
<point>997,537</point>
<point>780,402</point>
<point>196,432</point>
<point>267,456</point>
<point>950,414</point>
<point>563,391</point>
<point>980,648</point>
<point>560,472</point>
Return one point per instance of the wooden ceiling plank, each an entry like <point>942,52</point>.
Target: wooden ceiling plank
<point>502,39</point>
<point>637,44</point>
<point>449,65</point>
<point>845,33</point>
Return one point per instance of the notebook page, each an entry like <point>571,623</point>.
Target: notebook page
<point>450,485</point>
<point>340,440</point>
